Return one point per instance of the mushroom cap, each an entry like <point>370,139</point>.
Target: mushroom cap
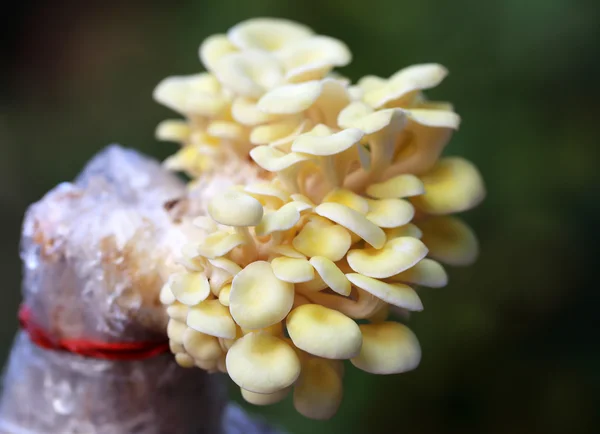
<point>248,73</point>
<point>348,198</point>
<point>396,294</point>
<point>388,348</point>
<point>234,208</point>
<point>262,363</point>
<point>273,160</point>
<point>397,255</point>
<point>293,270</point>
<point>426,273</point>
<point>265,398</point>
<point>333,144</point>
<point>353,221</point>
<point>200,345</point>
<point>450,240</point>
<point>281,220</point>
<point>453,185</point>
<point>331,275</point>
<point>331,241</point>
<point>404,185</point>
<point>318,391</point>
<point>219,244</point>
<point>196,94</point>
<point>269,34</point>
<point>324,332</point>
<point>245,111</point>
<point>258,298</point>
<point>212,318</point>
<point>189,288</point>
<point>390,213</point>
<point>213,49</point>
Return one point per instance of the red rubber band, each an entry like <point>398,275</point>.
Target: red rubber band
<point>90,348</point>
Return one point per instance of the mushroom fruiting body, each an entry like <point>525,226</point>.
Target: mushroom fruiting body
<point>318,204</point>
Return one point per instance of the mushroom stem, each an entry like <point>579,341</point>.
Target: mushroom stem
<point>330,171</point>
<point>250,252</point>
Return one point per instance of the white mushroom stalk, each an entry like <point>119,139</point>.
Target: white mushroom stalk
<point>345,216</point>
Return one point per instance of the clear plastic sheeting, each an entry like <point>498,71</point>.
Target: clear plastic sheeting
<point>48,391</point>
<point>96,253</point>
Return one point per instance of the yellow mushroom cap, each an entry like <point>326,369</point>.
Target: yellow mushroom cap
<point>248,73</point>
<point>353,221</point>
<point>219,244</point>
<point>193,94</point>
<point>453,185</point>
<point>388,348</point>
<point>262,363</point>
<point>331,241</point>
<point>318,391</point>
<point>390,213</point>
<point>234,208</point>
<point>281,220</point>
<point>348,198</point>
<point>331,275</point>
<point>397,255</point>
<point>189,288</point>
<point>269,34</point>
<point>274,160</point>
<point>324,332</point>
<point>327,145</point>
<point>404,185</point>
<point>450,240</point>
<point>212,318</point>
<point>265,398</point>
<point>294,270</point>
<point>214,48</point>
<point>200,345</point>
<point>427,273</point>
<point>396,294</point>
<point>258,298</point>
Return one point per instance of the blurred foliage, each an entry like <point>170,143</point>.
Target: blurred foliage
<point>511,345</point>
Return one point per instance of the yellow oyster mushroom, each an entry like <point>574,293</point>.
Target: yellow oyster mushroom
<point>245,111</point>
<point>388,348</point>
<point>213,49</point>
<point>395,294</point>
<point>407,230</point>
<point>173,131</point>
<point>200,345</point>
<point>178,311</point>
<point>322,99</point>
<point>197,94</point>
<point>453,185</point>
<point>331,275</point>
<point>421,143</point>
<point>318,391</point>
<point>362,306</point>
<point>262,363</point>
<point>283,219</point>
<point>264,398</point>
<point>288,251</point>
<point>348,198</point>
<point>292,270</point>
<point>166,295</point>
<point>400,88</point>
<point>175,330</point>
<point>221,273</point>
<point>324,332</point>
<point>248,73</point>
<point>286,165</point>
<point>353,221</point>
<point>239,210</point>
<point>390,213</point>
<point>275,131</point>
<point>220,243</point>
<point>326,145</point>
<point>405,185</point>
<point>269,34</point>
<point>224,295</point>
<point>313,58</point>
<point>450,240</point>
<point>397,255</point>
<point>427,273</point>
<point>212,318</point>
<point>258,298</point>
<point>189,288</point>
<point>331,241</point>
<point>184,360</point>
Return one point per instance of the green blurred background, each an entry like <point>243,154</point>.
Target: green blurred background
<point>511,345</point>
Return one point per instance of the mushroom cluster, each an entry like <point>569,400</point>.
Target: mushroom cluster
<point>349,214</point>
